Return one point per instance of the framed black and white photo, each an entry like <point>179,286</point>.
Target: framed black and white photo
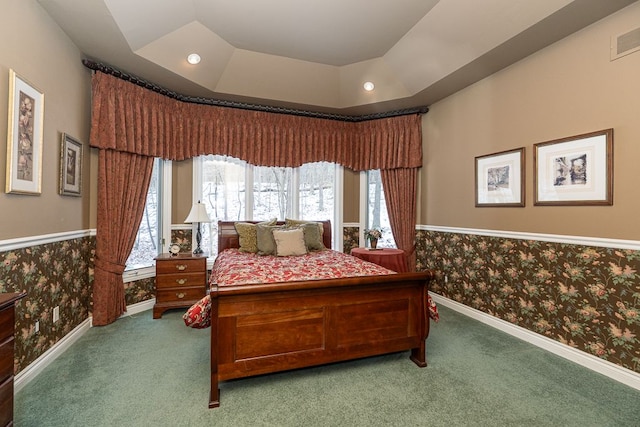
<point>500,179</point>
<point>70,166</point>
<point>577,170</point>
<point>24,139</point>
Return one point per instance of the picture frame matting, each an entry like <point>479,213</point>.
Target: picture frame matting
<point>499,179</point>
<point>574,171</point>
<point>24,137</point>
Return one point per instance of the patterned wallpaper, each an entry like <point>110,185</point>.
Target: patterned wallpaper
<point>351,239</point>
<point>53,274</point>
<point>585,297</point>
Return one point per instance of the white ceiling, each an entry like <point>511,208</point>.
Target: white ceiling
<point>316,54</point>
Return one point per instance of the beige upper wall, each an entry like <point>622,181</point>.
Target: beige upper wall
<point>39,52</point>
<point>569,88</point>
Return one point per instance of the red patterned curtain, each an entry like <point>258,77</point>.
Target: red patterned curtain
<point>130,118</point>
<point>400,191</point>
<point>132,125</point>
<point>123,181</point>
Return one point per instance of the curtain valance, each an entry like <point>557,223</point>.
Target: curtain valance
<point>130,118</point>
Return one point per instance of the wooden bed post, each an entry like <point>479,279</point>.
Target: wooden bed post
<point>214,393</point>
<point>419,354</point>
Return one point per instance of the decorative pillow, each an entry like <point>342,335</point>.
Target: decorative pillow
<point>248,235</point>
<point>289,242</point>
<point>266,242</point>
<point>312,237</point>
<point>198,316</point>
<point>288,222</point>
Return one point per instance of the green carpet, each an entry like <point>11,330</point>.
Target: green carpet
<point>144,372</point>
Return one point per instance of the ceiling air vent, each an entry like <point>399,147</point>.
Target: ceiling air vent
<point>624,44</point>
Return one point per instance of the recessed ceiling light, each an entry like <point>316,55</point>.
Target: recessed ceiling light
<point>368,86</point>
<point>193,58</point>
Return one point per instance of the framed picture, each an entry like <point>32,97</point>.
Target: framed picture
<point>24,140</point>
<point>500,179</point>
<point>575,171</point>
<point>70,166</point>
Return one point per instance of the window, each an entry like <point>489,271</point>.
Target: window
<point>148,240</point>
<point>375,210</point>
<point>235,190</point>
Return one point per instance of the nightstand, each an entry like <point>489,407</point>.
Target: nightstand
<point>181,281</point>
<point>393,259</point>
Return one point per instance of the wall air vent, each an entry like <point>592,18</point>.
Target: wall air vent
<point>624,44</point>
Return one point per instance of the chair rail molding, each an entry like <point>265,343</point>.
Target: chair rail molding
<point>557,238</point>
<point>29,241</point>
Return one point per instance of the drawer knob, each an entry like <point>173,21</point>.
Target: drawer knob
<point>181,267</point>
<point>181,281</point>
<point>180,295</point>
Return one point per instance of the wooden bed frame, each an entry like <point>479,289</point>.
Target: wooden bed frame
<point>260,329</point>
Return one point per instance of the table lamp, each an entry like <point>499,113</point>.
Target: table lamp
<point>198,215</point>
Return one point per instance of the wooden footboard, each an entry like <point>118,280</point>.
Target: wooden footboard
<point>259,329</point>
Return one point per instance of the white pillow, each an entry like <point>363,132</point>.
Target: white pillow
<point>289,242</point>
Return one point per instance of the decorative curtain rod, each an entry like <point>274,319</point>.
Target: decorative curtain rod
<point>96,66</point>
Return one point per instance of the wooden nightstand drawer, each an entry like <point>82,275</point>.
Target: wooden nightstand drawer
<point>180,280</point>
<point>179,265</point>
<point>189,295</point>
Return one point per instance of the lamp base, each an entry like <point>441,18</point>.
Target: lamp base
<point>198,250</point>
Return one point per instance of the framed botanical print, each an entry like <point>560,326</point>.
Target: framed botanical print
<point>70,166</point>
<point>24,139</point>
<point>500,179</point>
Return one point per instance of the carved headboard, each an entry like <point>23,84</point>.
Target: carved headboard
<point>228,236</point>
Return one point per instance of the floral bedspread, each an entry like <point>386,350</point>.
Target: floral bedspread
<point>233,267</point>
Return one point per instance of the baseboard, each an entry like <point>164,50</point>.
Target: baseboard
<point>45,359</point>
<point>139,307</point>
<point>611,370</point>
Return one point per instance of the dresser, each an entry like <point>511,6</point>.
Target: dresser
<point>181,281</point>
<point>7,326</point>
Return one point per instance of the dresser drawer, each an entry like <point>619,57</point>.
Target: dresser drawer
<point>180,266</point>
<point>7,321</point>
<point>6,358</point>
<point>180,294</point>
<point>6,402</point>
<point>180,280</point>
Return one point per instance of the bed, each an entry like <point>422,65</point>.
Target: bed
<point>263,328</point>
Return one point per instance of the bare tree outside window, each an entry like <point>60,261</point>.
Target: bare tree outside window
<point>316,190</point>
<point>272,194</point>
<point>147,244</point>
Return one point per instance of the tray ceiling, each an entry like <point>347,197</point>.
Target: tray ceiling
<point>316,55</point>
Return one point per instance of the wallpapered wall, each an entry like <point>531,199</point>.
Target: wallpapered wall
<point>585,297</point>
<point>351,239</point>
<point>59,274</point>
<point>145,289</point>
<point>53,274</point>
